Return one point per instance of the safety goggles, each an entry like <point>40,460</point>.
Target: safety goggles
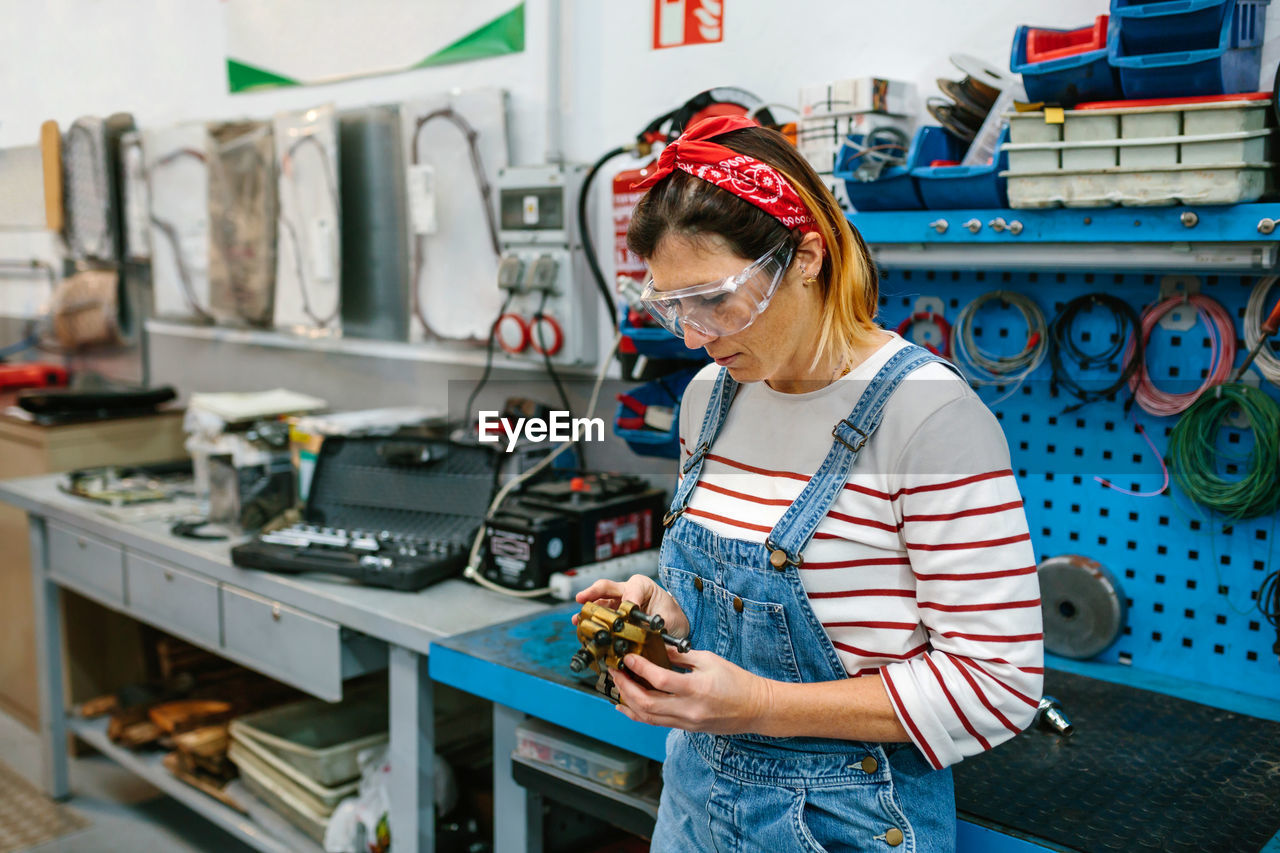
<point>724,307</point>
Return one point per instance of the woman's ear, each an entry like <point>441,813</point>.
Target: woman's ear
<point>809,255</point>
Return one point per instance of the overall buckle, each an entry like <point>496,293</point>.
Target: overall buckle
<point>835,433</point>
<point>671,516</point>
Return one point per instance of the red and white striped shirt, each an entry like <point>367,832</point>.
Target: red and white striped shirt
<point>922,570</point>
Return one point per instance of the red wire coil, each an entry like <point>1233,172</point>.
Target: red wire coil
<point>1222,334</point>
<point>939,321</point>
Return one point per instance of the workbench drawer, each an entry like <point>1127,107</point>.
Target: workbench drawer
<point>91,565</point>
<point>306,651</point>
<point>179,602</point>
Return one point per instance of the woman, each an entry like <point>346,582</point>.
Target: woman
<point>861,598</point>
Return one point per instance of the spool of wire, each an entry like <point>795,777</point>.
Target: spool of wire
<point>1266,361</point>
<point>1194,457</point>
<point>984,368</point>
<point>1222,338</point>
<point>1062,342</point>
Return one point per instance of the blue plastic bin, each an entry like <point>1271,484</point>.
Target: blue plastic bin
<point>657,342</point>
<point>1164,26</point>
<point>955,187</point>
<point>895,189</point>
<point>1066,81</point>
<point>665,391</point>
<point>1230,67</point>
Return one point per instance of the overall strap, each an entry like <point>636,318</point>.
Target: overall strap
<point>717,410</point>
<point>792,533</point>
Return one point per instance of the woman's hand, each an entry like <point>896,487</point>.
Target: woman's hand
<point>715,696</point>
<point>644,593</point>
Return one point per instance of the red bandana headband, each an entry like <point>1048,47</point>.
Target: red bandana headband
<point>746,177</point>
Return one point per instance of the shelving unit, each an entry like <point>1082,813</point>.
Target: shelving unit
<point>148,766</point>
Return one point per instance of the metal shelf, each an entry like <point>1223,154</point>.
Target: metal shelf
<point>1241,223</point>
<point>149,767</point>
<point>1241,238</point>
<point>428,352</point>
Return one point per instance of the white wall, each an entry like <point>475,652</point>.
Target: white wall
<point>164,61</point>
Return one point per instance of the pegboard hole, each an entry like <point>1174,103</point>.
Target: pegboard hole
<point>1220,619</point>
<point>1189,613</point>
<point>1254,626</point>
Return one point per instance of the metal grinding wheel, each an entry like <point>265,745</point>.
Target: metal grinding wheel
<point>1082,604</point>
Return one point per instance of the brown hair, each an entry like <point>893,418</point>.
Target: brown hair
<point>695,209</point>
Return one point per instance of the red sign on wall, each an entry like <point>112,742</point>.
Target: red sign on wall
<point>681,22</point>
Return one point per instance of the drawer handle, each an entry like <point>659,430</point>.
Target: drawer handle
<point>275,612</point>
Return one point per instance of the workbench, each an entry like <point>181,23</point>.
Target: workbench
<point>1152,764</point>
<point>309,633</point>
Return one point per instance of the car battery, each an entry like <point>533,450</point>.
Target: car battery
<point>557,525</point>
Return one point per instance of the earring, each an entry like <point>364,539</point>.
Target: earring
<point>810,279</point>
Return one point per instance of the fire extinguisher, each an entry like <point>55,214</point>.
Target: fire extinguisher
<point>663,129</point>
<point>631,270</point>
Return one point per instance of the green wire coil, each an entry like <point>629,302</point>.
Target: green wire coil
<point>1194,458</point>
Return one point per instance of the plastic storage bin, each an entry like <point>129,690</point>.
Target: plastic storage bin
<point>319,739</point>
<point>664,391</point>
<point>655,341</point>
<point>895,189</point>
<point>580,755</point>
<point>955,187</point>
<point>1231,66</point>
<point>1161,26</point>
<point>1066,81</point>
<point>1044,44</point>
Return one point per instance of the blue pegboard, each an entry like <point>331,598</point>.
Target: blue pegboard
<point>1190,576</point>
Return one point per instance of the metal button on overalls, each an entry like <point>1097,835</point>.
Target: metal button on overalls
<point>737,604</point>
<point>870,765</point>
<point>778,559</point>
<point>697,584</point>
<point>893,837</point>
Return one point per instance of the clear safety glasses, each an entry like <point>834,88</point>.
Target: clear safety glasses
<point>724,307</point>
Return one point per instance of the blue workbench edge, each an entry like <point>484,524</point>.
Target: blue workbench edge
<point>1225,224</point>
<point>1192,691</point>
<point>577,709</point>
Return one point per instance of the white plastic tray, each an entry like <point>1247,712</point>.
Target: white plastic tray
<point>1227,183</point>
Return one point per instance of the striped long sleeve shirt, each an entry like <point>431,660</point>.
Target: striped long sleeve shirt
<point>923,570</point>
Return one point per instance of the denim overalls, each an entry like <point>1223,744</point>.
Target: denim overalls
<point>745,602</point>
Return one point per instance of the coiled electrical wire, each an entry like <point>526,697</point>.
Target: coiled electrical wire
<point>1062,342</point>
<point>936,319</point>
<point>1266,361</point>
<point>1194,457</point>
<point>985,368</point>
<point>1269,604</point>
<point>1222,337</point>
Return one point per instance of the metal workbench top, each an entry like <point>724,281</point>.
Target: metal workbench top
<point>412,620</point>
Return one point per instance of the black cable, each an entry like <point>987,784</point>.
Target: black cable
<point>1269,604</point>
<point>290,155</point>
<point>555,377</point>
<point>488,355</point>
<point>1061,341</point>
<point>584,228</point>
<point>486,197</point>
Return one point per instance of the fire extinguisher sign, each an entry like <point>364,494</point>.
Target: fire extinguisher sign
<point>681,22</point>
